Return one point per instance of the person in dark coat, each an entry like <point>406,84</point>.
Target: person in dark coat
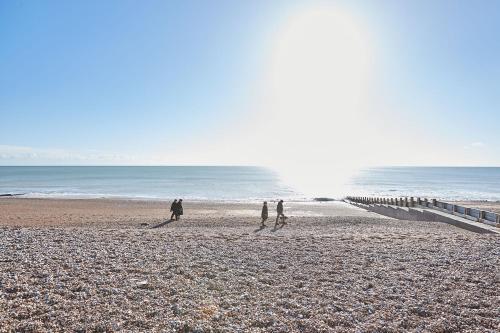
<point>279,210</point>
<point>179,210</point>
<point>173,207</point>
<point>264,215</point>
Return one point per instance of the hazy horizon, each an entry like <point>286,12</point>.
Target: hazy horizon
<point>236,165</point>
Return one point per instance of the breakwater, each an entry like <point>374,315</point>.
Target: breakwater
<point>413,204</point>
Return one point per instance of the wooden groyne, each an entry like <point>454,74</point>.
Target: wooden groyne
<point>471,214</point>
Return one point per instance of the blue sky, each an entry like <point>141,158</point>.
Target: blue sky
<point>171,82</point>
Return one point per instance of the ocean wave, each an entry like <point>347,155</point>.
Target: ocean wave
<point>74,195</point>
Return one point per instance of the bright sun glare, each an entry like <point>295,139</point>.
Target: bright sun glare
<point>319,73</point>
<point>310,123</point>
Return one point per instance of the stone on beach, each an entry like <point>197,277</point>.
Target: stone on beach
<point>214,273</point>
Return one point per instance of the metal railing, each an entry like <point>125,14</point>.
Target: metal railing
<point>468,213</point>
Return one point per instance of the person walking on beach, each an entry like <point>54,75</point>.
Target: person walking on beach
<point>279,210</point>
<point>264,215</point>
<point>179,210</point>
<point>173,206</point>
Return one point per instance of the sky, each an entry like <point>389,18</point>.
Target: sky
<point>300,86</point>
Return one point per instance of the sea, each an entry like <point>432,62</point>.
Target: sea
<point>242,183</point>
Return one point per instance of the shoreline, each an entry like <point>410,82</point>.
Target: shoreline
<point>242,200</point>
<point>159,199</point>
<point>488,205</point>
<point>131,213</point>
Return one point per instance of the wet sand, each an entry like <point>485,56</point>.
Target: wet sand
<point>98,265</point>
<point>131,213</point>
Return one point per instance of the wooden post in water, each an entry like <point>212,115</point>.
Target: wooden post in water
<point>426,202</point>
<point>482,215</point>
<point>406,202</point>
<point>412,202</point>
<point>434,202</point>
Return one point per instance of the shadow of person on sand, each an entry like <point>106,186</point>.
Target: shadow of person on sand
<point>164,223</point>
<point>278,226</point>
<point>262,227</point>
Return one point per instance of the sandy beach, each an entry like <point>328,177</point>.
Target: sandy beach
<point>99,265</point>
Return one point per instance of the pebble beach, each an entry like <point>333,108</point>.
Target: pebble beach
<point>120,266</point>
